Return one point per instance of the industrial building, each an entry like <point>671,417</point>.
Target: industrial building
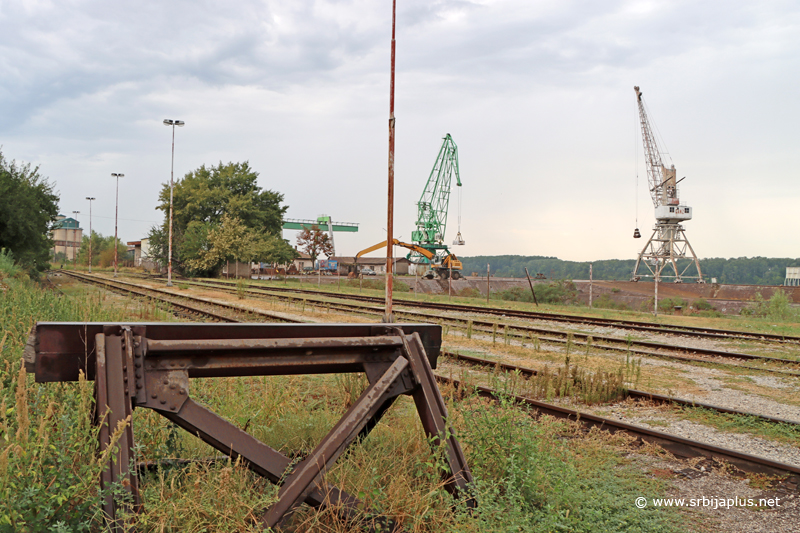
<point>67,237</point>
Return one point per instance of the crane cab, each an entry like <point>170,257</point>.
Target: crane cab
<point>673,214</point>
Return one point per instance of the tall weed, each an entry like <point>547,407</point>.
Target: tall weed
<point>48,470</point>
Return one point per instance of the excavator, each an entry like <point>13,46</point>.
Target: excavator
<point>448,264</point>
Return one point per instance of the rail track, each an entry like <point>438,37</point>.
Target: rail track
<point>687,354</point>
<point>189,305</point>
<point>678,446</point>
<point>629,393</point>
<point>685,331</point>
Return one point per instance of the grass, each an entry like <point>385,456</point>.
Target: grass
<point>569,380</point>
<point>752,425</point>
<point>531,475</point>
<point>48,470</point>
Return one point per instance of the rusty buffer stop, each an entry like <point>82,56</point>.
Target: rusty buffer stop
<point>149,365</point>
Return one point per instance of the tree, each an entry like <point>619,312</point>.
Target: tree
<point>200,201</point>
<point>231,240</point>
<point>102,249</point>
<point>28,208</point>
<point>277,251</point>
<point>314,242</point>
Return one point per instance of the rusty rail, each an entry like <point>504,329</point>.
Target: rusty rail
<point>149,365</point>
<point>678,446</point>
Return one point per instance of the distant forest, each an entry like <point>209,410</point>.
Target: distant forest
<point>740,270</point>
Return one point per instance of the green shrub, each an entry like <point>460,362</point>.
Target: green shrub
<point>561,292</point>
<point>778,307</point>
<point>702,304</point>
<point>8,268</point>
<point>533,475</point>
<point>668,305</point>
<point>469,292</point>
<point>605,302</point>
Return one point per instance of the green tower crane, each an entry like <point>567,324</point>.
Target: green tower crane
<point>433,206</point>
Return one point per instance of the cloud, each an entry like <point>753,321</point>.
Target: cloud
<point>538,95</point>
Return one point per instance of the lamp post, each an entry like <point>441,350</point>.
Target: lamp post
<point>173,123</point>
<point>90,232</point>
<point>116,215</point>
<point>75,240</point>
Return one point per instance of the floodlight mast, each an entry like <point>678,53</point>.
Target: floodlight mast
<point>173,123</point>
<point>668,244</point>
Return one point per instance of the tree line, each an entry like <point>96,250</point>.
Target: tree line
<point>740,270</point>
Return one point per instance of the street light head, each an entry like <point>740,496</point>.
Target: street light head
<point>167,122</point>
<point>179,123</point>
<point>115,175</point>
<point>89,198</point>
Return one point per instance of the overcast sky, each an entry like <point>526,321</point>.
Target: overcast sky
<point>538,95</point>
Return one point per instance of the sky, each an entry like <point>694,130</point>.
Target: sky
<point>538,96</point>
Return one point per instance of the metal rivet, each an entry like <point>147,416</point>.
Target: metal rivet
<point>182,391</point>
<point>137,364</point>
<point>138,385</point>
<point>166,382</point>
<point>163,401</point>
<point>172,407</point>
<point>138,375</point>
<point>125,379</point>
<point>172,386</point>
<point>154,396</point>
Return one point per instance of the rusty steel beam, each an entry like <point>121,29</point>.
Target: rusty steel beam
<point>433,414</point>
<point>58,351</point>
<point>150,366</point>
<point>114,410</point>
<point>343,433</point>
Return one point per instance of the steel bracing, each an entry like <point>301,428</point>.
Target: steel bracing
<point>664,249</point>
<point>149,366</point>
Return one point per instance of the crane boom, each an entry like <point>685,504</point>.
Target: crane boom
<point>444,266</point>
<point>659,178</point>
<point>435,200</point>
<point>412,247</point>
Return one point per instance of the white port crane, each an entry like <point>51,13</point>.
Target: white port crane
<point>668,244</point>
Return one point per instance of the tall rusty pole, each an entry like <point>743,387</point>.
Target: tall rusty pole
<point>75,240</point>
<point>116,218</point>
<point>389,317</point>
<point>90,198</point>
